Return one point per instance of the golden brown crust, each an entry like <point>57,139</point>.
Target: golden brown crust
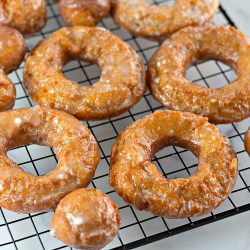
<point>158,22</point>
<point>168,65</point>
<point>121,85</point>
<point>86,219</point>
<point>247,141</point>
<point>9,60</point>
<point>26,16</point>
<point>73,143</point>
<point>138,181</point>
<point>84,12</point>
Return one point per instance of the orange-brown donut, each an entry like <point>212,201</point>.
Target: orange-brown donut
<point>73,143</point>
<point>86,219</point>
<point>158,22</point>
<point>121,85</point>
<point>138,181</point>
<point>247,141</point>
<point>12,50</point>
<point>168,65</point>
<point>26,16</point>
<point>84,12</point>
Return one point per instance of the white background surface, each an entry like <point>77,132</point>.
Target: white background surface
<point>232,233</point>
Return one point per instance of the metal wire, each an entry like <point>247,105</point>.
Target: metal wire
<point>31,231</point>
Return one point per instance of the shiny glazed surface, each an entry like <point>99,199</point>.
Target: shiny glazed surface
<point>12,50</point>
<point>158,22</point>
<point>75,148</point>
<point>121,85</point>
<point>247,141</point>
<point>138,181</point>
<point>86,219</point>
<point>27,16</point>
<point>168,65</point>
<point>84,12</point>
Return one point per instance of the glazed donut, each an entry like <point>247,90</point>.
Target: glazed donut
<point>158,22</point>
<point>84,12</point>
<point>121,85</point>
<point>74,145</point>
<point>168,65</point>
<point>247,141</point>
<point>86,219</point>
<point>138,181</point>
<point>26,16</point>
<point>9,60</point>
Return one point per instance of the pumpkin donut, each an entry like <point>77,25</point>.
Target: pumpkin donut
<point>168,65</point>
<point>158,22</point>
<point>26,16</point>
<point>84,12</point>
<point>121,85</point>
<point>247,141</point>
<point>86,219</point>
<point>9,60</point>
<point>74,145</point>
<point>138,181</point>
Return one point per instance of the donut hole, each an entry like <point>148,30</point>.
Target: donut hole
<point>157,2</point>
<point>175,162</point>
<point>34,159</point>
<point>210,73</point>
<point>84,73</point>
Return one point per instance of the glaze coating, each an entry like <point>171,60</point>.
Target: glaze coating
<point>27,16</point>
<point>138,181</point>
<point>73,144</point>
<point>86,219</point>
<point>9,60</point>
<point>158,22</point>
<point>84,12</point>
<point>168,65</point>
<point>122,83</point>
<point>247,141</point>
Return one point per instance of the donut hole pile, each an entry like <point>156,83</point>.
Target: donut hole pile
<point>175,162</point>
<point>83,73</point>
<point>207,73</point>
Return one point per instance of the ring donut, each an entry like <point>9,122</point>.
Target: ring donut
<point>138,181</point>
<point>167,68</point>
<point>9,60</point>
<point>84,12</point>
<point>247,141</point>
<point>26,16</point>
<point>86,219</point>
<point>74,146</point>
<point>121,85</point>
<point>158,22</point>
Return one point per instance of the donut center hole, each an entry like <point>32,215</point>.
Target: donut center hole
<point>84,73</point>
<point>34,159</point>
<point>175,162</point>
<point>159,2</point>
<point>211,73</point>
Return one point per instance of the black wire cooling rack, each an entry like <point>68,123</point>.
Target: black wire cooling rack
<point>31,231</point>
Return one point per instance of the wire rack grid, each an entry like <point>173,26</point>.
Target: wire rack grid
<point>31,231</point>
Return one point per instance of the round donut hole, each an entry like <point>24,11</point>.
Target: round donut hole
<point>210,73</point>
<point>34,159</point>
<point>175,162</point>
<point>167,2</point>
<point>84,73</point>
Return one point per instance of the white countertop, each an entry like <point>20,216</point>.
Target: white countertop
<point>232,233</point>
